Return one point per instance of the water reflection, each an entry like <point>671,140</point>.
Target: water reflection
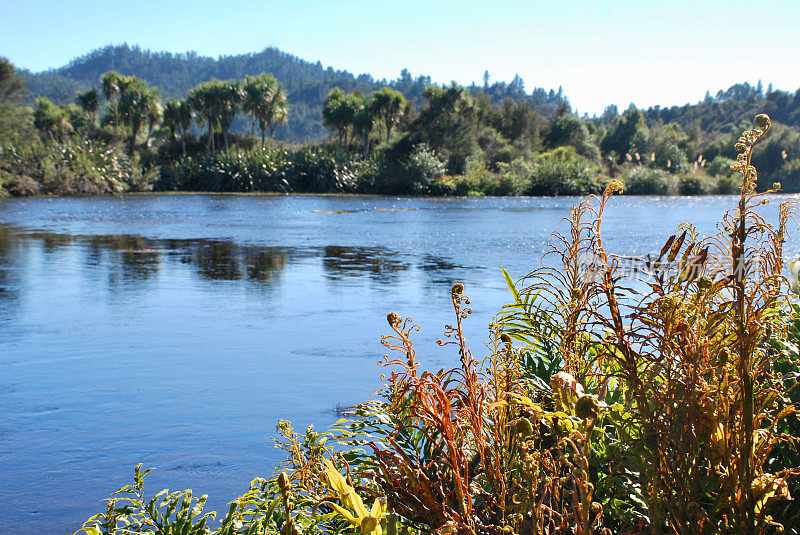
<point>226,261</point>
<point>134,258</point>
<point>9,274</point>
<point>380,264</point>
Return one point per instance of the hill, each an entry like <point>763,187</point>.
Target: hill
<point>727,109</point>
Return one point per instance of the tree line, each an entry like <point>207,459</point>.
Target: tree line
<point>132,105</point>
<point>305,83</point>
<point>456,140</point>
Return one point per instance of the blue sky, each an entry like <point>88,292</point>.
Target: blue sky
<point>601,52</point>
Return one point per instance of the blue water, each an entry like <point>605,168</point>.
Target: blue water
<point>176,330</point>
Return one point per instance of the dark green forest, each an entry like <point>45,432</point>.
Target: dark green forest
<point>123,119</point>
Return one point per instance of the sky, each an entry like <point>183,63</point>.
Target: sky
<point>601,52</point>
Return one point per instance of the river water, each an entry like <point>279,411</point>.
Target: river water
<point>175,330</point>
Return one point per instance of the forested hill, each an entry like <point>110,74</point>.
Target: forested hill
<point>306,83</point>
<point>727,109</point>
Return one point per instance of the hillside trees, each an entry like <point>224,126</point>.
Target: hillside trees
<point>621,138</point>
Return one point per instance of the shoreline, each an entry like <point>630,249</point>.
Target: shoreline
<point>354,195</point>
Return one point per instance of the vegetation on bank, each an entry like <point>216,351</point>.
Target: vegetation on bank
<point>306,83</point>
<point>121,136</point>
<point>669,406</point>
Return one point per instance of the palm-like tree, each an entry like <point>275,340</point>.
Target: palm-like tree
<point>89,101</point>
<point>111,82</point>
<point>178,115</point>
<point>338,113</point>
<point>389,105</point>
<point>216,103</point>
<point>51,119</point>
<point>155,114</point>
<point>231,96</point>
<point>364,119</point>
<point>202,100</point>
<point>265,102</point>
<point>137,106</point>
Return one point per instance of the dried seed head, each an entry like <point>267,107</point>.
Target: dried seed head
<point>587,407</point>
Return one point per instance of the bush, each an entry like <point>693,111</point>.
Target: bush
<point>232,171</point>
<point>477,181</point>
<point>71,167</point>
<point>563,171</point>
<point>726,185</point>
<point>720,166</point>
<point>640,180</point>
<point>416,172</point>
<point>317,170</point>
<point>695,184</point>
<point>309,169</point>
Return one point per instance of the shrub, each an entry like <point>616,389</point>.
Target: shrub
<point>720,166</point>
<point>317,170</point>
<point>693,184</point>
<point>562,171</point>
<point>69,167</point>
<point>232,171</point>
<point>413,172</point>
<point>640,180</point>
<point>477,181</point>
<point>309,169</point>
<point>726,185</point>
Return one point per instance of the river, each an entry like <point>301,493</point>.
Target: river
<point>175,330</point>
